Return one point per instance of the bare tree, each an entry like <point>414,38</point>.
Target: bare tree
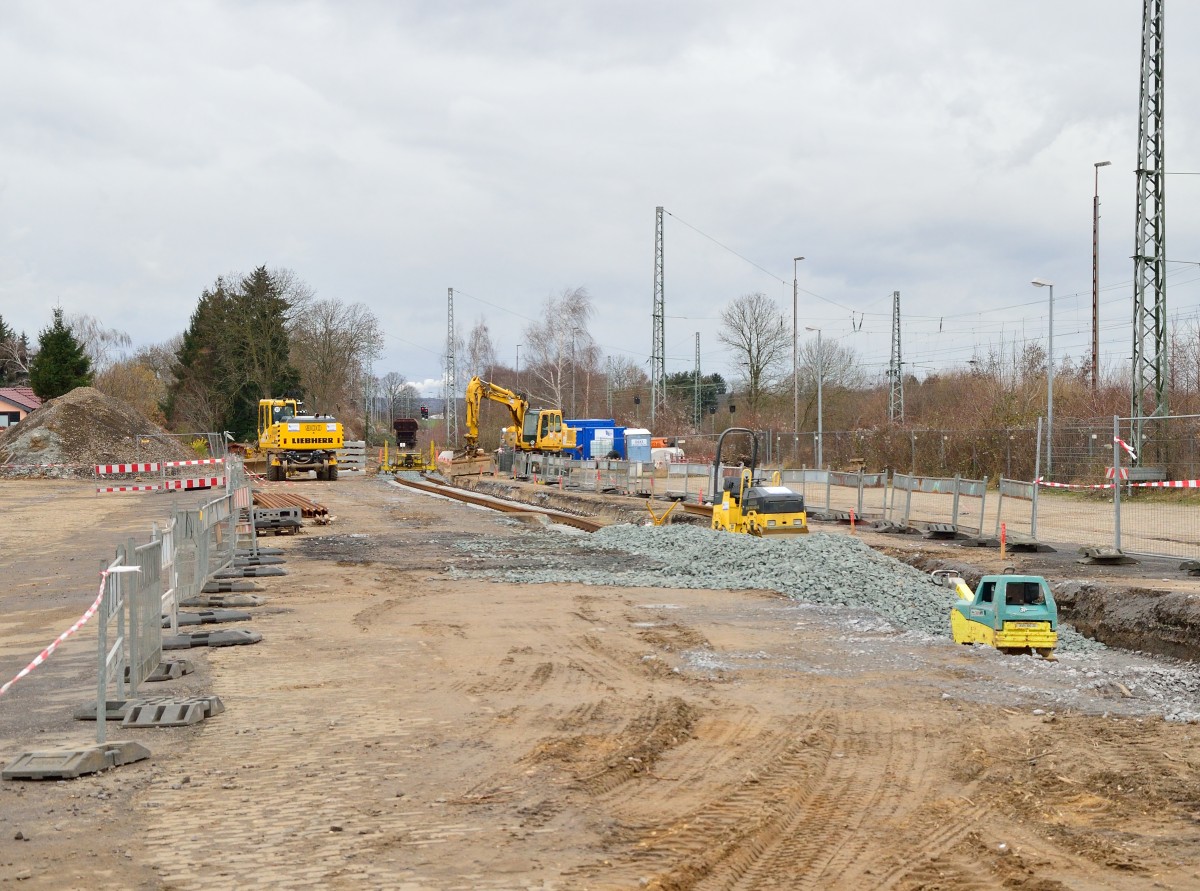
<point>160,358</point>
<point>549,342</point>
<point>135,383</point>
<point>332,346</point>
<point>481,352</point>
<point>838,367</point>
<point>751,328</point>
<point>627,381</point>
<point>99,343</point>
<point>400,394</point>
<point>15,357</point>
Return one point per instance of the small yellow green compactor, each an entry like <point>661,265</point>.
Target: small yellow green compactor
<point>1013,613</point>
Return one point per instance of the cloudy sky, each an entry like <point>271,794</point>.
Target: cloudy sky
<point>388,151</point>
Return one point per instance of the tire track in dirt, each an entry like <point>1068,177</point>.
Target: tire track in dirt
<point>751,766</point>
<point>814,840</point>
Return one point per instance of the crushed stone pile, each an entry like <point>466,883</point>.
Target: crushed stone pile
<point>833,571</point>
<point>81,429</point>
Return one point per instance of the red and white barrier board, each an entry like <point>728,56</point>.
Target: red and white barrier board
<point>106,469</point>
<point>204,483</point>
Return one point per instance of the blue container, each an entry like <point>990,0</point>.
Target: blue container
<point>596,437</point>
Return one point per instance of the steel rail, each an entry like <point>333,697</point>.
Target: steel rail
<point>498,504</point>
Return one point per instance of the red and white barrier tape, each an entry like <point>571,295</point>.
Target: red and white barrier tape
<point>108,490</point>
<point>1126,446</point>
<point>1165,484</point>
<point>194,463</point>
<point>1049,485</point>
<point>91,611</point>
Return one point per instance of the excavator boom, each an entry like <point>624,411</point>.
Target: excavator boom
<point>477,391</point>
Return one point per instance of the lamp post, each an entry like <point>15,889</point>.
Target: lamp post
<point>795,357</point>
<point>518,370</point>
<point>820,406</point>
<point>1096,277</point>
<point>1042,283</point>
<point>574,414</point>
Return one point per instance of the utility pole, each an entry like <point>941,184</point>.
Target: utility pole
<point>896,400</point>
<point>1096,277</point>
<point>795,358</point>
<point>658,385</point>
<point>696,407</point>
<point>608,385</point>
<point>451,383</point>
<point>1149,252</point>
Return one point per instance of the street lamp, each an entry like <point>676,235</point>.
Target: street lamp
<point>795,365</point>
<point>1096,277</point>
<point>518,387</point>
<point>820,407</point>
<point>1042,283</point>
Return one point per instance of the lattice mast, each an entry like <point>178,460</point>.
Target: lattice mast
<point>451,377</point>
<point>696,407</point>
<point>895,367</point>
<point>658,380</point>
<point>1149,255</point>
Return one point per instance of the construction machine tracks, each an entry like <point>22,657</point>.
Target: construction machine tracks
<point>436,487</point>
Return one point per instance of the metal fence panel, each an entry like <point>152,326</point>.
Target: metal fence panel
<point>145,610</point>
<point>111,642</point>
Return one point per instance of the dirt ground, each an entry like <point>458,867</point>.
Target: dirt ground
<point>398,728</point>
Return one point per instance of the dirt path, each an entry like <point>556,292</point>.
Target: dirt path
<point>400,729</point>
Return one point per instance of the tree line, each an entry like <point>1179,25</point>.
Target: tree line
<point>256,335</point>
<point>267,334</point>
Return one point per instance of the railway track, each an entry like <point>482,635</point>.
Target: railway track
<point>435,487</point>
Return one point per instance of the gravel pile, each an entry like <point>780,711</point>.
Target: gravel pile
<point>832,570</point>
<point>841,577</point>
<point>83,428</point>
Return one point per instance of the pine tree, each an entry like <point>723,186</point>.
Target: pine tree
<point>234,353</point>
<point>201,395</point>
<point>257,324</point>
<point>60,364</point>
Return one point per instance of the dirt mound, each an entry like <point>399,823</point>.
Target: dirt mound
<point>83,428</point>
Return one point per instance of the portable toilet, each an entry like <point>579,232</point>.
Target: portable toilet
<point>637,445</point>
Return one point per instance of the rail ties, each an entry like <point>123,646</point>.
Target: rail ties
<point>447,490</point>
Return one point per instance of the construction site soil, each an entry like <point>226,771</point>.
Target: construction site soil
<point>412,721</point>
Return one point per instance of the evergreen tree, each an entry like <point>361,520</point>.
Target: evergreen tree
<point>681,390</point>
<point>234,352</point>
<point>258,322</point>
<point>200,397</point>
<point>60,364</point>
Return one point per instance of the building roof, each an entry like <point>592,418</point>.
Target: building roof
<point>22,396</point>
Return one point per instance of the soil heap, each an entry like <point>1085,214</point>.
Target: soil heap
<point>81,429</point>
